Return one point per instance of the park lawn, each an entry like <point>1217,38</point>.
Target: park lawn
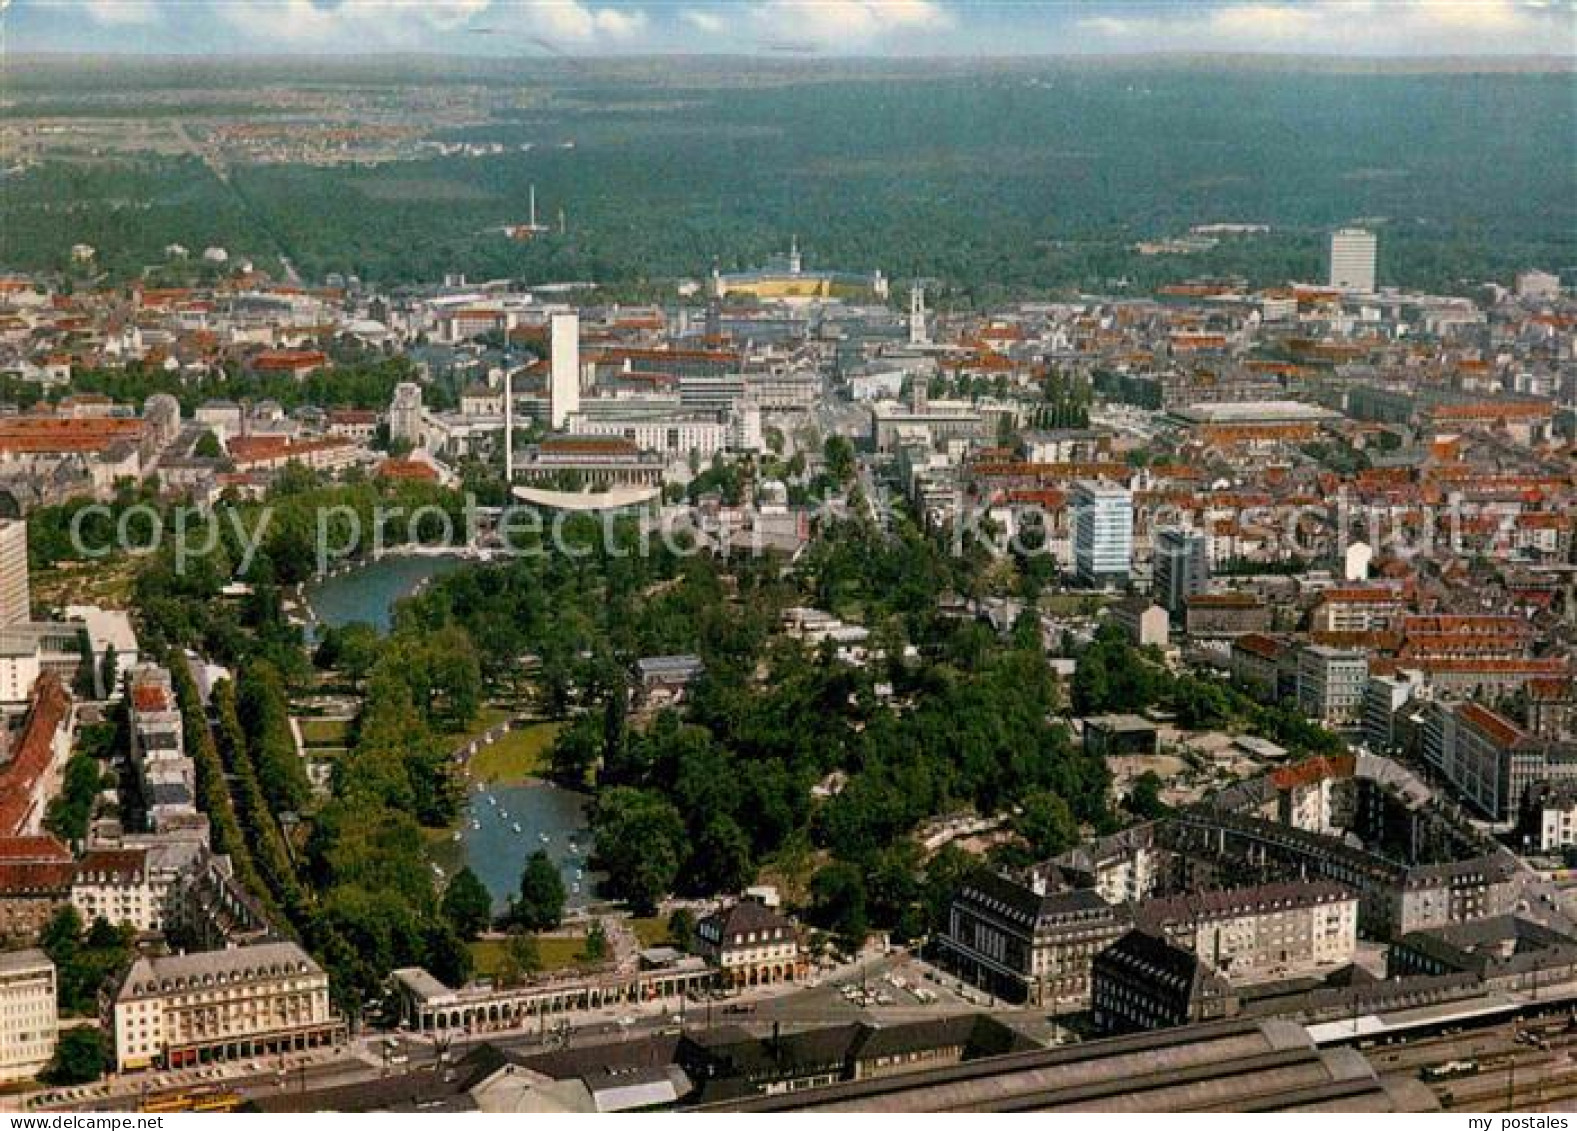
<point>652,931</point>
<point>444,850</point>
<point>557,954</point>
<point>106,583</point>
<point>518,755</point>
<point>488,717</point>
<point>324,732</point>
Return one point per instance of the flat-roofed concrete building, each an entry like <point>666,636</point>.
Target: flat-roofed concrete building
<point>29,1022</point>
<point>938,422</point>
<point>1181,565</point>
<point>1115,736</point>
<point>1331,684</point>
<point>1354,254</point>
<point>15,598</point>
<point>1102,532</point>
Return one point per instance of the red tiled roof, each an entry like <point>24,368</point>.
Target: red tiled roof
<point>1223,601</point>
<point>1361,597</point>
<point>33,753</point>
<point>408,469</point>
<point>1496,728</point>
<point>1258,644</point>
<point>35,848</point>
<point>36,878</point>
<point>1492,410</point>
<point>272,360</point>
<point>1548,690</point>
<point>65,434</point>
<point>590,445</point>
<point>253,449</point>
<point>149,697</point>
<point>1315,769</point>
<point>116,862</point>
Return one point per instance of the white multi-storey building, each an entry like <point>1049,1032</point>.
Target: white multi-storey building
<point>1354,253</point>
<point>1102,532</point>
<point>564,380</point>
<point>1331,684</point>
<point>29,1023</point>
<point>15,600</point>
<point>250,1001</point>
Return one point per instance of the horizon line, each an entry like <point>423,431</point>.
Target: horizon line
<point>787,57</point>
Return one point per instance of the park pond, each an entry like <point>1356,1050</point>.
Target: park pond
<point>369,592</point>
<point>504,824</point>
<point>501,823</point>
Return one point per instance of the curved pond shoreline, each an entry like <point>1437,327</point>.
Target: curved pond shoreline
<point>548,816</point>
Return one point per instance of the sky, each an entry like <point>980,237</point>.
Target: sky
<point>793,27</point>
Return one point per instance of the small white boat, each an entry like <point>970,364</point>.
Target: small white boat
<point>503,814</point>
<point>491,800</point>
<point>516,827</point>
<point>575,890</point>
<point>543,837</point>
<point>475,825</point>
<point>457,835</point>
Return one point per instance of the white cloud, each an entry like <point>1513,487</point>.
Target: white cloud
<point>709,22</point>
<point>1266,23</point>
<point>568,21</point>
<point>453,13</point>
<point>1109,25</point>
<point>373,24</point>
<point>845,23</point>
<point>620,24</point>
<point>116,13</point>
<point>1408,27</point>
<point>291,21</point>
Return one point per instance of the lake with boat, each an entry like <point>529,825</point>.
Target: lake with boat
<point>501,823</point>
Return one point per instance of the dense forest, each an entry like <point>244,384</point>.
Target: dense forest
<point>994,182</point>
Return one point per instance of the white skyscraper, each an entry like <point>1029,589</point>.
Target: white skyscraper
<point>15,598</point>
<point>1102,532</point>
<point>509,427</point>
<point>564,392</point>
<point>1353,258</point>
